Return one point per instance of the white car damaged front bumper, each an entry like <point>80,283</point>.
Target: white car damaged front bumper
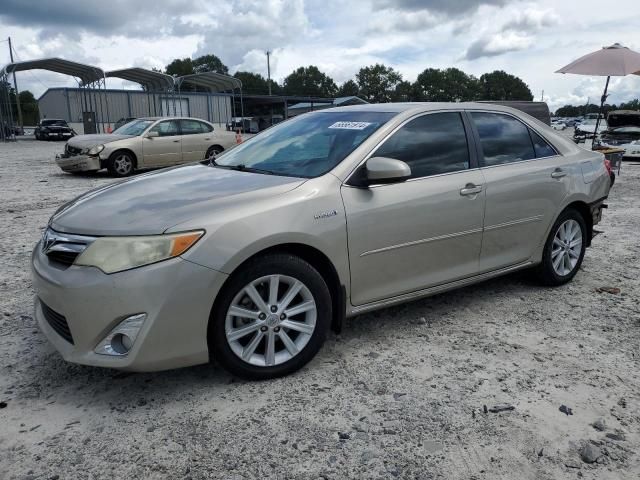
<point>78,163</point>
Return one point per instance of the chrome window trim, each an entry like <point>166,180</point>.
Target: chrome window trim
<point>369,155</point>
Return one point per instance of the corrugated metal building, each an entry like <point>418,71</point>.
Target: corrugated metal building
<point>67,103</point>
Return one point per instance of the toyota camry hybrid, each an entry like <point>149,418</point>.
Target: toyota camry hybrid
<point>252,257</point>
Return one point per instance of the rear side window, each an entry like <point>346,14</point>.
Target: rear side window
<point>192,127</point>
<point>431,144</point>
<point>503,138</point>
<point>541,146</point>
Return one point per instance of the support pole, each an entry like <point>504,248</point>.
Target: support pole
<point>106,97</point>
<point>15,86</point>
<point>602,100</point>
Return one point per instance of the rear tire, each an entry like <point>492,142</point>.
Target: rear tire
<point>564,249</point>
<point>280,334</point>
<point>121,164</point>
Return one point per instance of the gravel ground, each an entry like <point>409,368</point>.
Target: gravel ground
<point>400,393</point>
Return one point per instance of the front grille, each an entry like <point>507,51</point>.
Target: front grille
<point>73,150</point>
<point>57,321</point>
<point>65,258</point>
<point>63,248</point>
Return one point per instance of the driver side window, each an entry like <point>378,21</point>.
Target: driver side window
<point>167,128</point>
<point>431,144</point>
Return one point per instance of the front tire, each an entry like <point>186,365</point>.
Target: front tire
<point>271,318</point>
<point>121,164</point>
<point>564,249</point>
<point>213,151</point>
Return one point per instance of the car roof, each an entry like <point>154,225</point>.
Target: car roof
<point>171,118</point>
<point>421,107</point>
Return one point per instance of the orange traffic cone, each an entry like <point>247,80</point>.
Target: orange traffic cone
<point>238,137</point>
<point>109,129</point>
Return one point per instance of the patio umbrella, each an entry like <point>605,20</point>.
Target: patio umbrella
<point>612,61</point>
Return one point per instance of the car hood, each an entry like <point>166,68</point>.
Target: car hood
<point>88,141</point>
<point>152,203</point>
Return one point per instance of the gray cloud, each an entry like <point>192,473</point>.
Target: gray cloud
<point>450,8</point>
<point>140,18</point>
<point>497,44</point>
<point>532,20</point>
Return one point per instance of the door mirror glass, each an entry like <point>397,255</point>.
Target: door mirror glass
<point>152,134</point>
<point>386,170</point>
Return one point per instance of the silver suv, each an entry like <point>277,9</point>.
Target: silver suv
<point>253,257</point>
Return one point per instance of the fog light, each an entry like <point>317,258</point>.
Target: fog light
<point>121,339</point>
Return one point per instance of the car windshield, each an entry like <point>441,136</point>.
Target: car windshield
<point>307,146</point>
<point>133,128</point>
<point>60,123</point>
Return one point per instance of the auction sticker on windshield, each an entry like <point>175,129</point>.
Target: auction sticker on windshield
<point>350,125</point>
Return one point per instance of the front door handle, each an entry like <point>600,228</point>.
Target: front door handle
<point>470,189</point>
<point>176,141</point>
<point>558,173</point>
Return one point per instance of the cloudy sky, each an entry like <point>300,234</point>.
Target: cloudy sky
<point>528,39</point>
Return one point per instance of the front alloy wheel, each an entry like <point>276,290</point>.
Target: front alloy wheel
<point>121,164</point>
<point>271,318</point>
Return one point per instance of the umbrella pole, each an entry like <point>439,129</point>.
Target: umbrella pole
<point>602,100</point>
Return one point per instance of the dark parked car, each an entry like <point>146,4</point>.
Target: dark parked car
<point>53,129</point>
<point>623,132</point>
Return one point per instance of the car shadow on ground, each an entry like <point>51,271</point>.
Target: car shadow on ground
<point>52,377</point>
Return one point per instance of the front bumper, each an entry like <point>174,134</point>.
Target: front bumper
<point>78,163</point>
<point>177,296</point>
<point>56,134</point>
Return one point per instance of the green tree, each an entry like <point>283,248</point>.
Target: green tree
<point>29,105</point>
<point>209,63</point>
<point>180,67</point>
<point>256,83</point>
<point>377,83</point>
<point>348,89</point>
<point>310,81</point>
<point>448,85</point>
<point>500,85</point>
<point>204,63</point>
<point>404,92</point>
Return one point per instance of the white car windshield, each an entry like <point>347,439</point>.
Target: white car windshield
<point>306,146</point>
<point>133,128</point>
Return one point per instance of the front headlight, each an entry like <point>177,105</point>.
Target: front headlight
<point>115,254</point>
<point>96,150</point>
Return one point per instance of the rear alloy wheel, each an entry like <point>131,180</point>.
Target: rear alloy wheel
<point>272,318</point>
<point>121,164</point>
<point>564,249</point>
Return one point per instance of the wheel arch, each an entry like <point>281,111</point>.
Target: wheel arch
<point>319,261</point>
<point>584,210</point>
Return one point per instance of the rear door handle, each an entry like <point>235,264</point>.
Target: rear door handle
<point>176,141</point>
<point>470,189</point>
<point>558,173</point>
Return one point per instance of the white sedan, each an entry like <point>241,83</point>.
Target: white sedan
<point>145,143</point>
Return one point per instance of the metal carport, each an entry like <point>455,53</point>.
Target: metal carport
<point>152,82</point>
<point>88,78</point>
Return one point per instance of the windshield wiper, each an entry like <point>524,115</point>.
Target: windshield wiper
<point>243,168</point>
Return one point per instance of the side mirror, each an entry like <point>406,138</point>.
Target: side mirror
<point>386,170</point>
<point>152,134</point>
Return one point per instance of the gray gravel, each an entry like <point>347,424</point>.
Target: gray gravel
<point>400,393</point>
